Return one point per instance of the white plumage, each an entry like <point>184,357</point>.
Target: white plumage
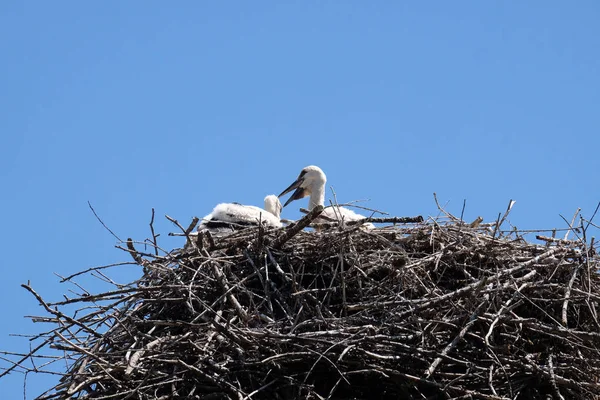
<point>273,205</point>
<point>227,217</point>
<point>311,182</point>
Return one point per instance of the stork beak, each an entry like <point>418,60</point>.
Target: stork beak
<point>298,194</point>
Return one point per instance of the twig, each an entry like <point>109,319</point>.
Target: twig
<point>442,209</point>
<point>511,203</point>
<point>296,227</point>
<point>392,220</point>
<point>103,224</point>
<point>570,224</point>
<point>154,236</point>
<point>59,314</point>
<point>569,287</point>
<point>558,241</point>
<point>136,256</point>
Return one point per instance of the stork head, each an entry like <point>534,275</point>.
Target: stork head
<point>273,205</point>
<point>310,178</point>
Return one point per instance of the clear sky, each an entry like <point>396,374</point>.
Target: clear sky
<point>179,106</point>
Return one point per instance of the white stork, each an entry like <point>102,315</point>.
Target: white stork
<point>311,182</point>
<point>227,217</point>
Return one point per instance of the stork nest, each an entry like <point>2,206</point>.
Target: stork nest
<point>432,310</point>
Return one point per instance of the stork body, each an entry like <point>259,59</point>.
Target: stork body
<point>228,217</point>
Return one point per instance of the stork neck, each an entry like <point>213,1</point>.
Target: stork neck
<point>317,197</point>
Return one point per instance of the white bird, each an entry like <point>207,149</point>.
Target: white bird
<point>228,217</point>
<point>311,182</point>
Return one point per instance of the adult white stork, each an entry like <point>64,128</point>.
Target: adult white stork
<point>228,217</point>
<point>311,182</point>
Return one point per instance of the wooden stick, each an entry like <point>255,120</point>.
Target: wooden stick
<point>293,229</point>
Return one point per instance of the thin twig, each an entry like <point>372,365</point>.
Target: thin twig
<point>102,222</point>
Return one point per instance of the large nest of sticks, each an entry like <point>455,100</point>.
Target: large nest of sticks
<point>429,310</point>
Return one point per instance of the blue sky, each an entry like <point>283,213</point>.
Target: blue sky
<point>134,105</point>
